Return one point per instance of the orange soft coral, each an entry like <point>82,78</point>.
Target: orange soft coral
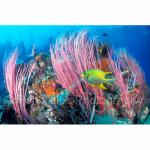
<point>48,87</point>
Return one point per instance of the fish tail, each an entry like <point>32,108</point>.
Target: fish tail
<point>110,81</point>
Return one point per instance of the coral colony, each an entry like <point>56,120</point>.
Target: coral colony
<point>78,80</point>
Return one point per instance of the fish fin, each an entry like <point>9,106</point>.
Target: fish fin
<point>92,85</point>
<point>109,83</point>
<point>106,73</point>
<point>102,87</point>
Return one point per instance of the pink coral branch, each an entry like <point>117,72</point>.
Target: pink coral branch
<point>135,75</point>
<point>70,58</point>
<point>17,82</point>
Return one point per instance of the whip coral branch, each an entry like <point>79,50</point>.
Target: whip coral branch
<point>136,77</point>
<point>74,55</point>
<point>17,80</point>
<point>129,94</point>
<point>71,57</point>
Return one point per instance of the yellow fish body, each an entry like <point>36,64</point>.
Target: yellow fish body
<point>97,77</point>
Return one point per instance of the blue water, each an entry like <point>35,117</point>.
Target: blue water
<point>136,39</point>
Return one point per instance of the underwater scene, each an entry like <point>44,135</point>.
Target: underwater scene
<point>78,74</point>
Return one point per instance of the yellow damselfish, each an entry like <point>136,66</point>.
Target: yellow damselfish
<point>98,78</point>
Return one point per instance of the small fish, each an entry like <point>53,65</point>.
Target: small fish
<point>105,34</point>
<point>98,78</point>
<point>104,50</point>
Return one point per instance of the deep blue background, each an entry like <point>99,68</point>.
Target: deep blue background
<point>136,39</point>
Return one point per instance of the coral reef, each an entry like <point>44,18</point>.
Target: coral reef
<point>49,89</point>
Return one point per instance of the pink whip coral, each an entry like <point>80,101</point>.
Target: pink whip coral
<point>17,83</point>
<point>135,80</point>
<point>76,54</point>
<point>71,57</point>
<point>128,92</point>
